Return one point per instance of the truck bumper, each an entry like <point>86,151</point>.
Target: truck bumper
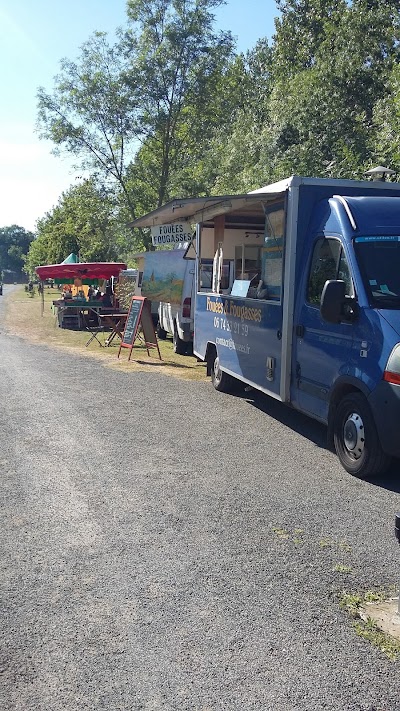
<point>385,405</point>
<point>185,332</point>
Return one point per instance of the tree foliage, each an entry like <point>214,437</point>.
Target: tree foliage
<point>181,66</point>
<point>330,67</point>
<point>92,112</point>
<point>85,221</point>
<point>170,110</point>
<point>14,246</point>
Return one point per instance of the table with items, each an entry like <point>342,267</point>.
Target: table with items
<point>75,313</point>
<point>114,321</point>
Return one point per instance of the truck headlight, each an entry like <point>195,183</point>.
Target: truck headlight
<point>392,370</point>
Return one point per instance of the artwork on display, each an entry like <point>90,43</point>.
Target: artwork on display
<point>163,275</point>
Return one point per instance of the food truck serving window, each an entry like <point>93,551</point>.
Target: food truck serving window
<point>206,275</point>
<point>272,251</point>
<point>247,262</point>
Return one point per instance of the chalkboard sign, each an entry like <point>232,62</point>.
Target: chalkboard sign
<point>139,316</point>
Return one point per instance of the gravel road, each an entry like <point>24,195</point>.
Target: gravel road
<point>168,547</point>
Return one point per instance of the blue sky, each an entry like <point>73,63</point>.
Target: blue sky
<point>34,36</point>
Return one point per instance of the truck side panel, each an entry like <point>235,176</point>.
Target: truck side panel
<point>247,336</point>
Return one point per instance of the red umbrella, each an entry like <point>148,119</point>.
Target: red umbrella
<point>80,270</point>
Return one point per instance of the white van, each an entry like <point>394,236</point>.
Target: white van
<point>177,320</point>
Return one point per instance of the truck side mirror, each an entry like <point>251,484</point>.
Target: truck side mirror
<point>332,299</point>
<point>335,305</point>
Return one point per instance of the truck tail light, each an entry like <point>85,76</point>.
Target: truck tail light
<point>186,307</point>
<point>391,377</point>
<point>392,371</point>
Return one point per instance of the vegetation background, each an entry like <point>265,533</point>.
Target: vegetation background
<point>171,109</point>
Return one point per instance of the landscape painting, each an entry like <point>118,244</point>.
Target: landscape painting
<point>163,275</point>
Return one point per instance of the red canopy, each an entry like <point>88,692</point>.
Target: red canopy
<point>80,270</point>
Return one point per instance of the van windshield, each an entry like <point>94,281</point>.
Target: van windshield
<point>379,261</point>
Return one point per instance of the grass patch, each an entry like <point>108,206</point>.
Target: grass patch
<point>341,545</point>
<point>352,602</point>
<point>368,629</point>
<point>23,318</point>
<point>341,568</point>
<point>283,534</point>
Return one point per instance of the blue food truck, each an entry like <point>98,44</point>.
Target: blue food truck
<point>298,295</point>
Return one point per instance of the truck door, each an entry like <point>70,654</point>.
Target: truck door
<point>321,350</point>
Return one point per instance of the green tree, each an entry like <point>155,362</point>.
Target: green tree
<point>84,221</point>
<point>301,30</point>
<point>385,141</point>
<point>331,64</point>
<point>93,111</point>
<point>235,154</point>
<point>140,111</point>
<point>14,245</point>
<point>180,64</point>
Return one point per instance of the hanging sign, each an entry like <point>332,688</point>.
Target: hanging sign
<point>175,233</point>
<point>139,316</point>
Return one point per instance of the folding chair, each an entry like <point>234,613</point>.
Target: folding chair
<point>94,330</point>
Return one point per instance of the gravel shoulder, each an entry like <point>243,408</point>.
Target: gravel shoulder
<point>168,547</point>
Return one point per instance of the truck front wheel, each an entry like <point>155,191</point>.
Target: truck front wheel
<point>222,381</point>
<point>356,439</point>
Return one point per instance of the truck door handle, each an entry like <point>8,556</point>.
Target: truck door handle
<point>300,330</point>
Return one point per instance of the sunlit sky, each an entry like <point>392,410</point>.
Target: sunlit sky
<point>34,36</point>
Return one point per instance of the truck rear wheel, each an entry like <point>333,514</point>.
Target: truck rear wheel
<point>356,439</point>
<point>222,382</point>
<point>180,346</point>
<point>161,333</point>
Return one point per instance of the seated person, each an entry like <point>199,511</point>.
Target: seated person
<point>67,294</point>
<point>106,299</point>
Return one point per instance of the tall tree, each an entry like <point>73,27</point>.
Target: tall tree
<point>236,158</point>
<point>14,245</point>
<point>183,68</point>
<point>149,101</point>
<point>93,111</point>
<point>84,221</point>
<point>322,102</point>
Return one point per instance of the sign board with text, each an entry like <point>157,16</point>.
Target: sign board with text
<point>139,317</point>
<point>171,234</point>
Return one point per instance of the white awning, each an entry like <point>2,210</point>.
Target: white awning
<point>203,209</point>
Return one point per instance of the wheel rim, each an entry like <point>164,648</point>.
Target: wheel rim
<point>354,436</point>
<point>217,371</point>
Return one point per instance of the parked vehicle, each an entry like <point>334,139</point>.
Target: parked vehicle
<point>313,315</point>
<point>177,320</point>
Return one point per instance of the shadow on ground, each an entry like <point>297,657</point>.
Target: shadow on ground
<point>314,431</point>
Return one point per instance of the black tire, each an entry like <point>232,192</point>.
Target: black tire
<point>221,381</point>
<point>180,346</point>
<point>356,439</point>
<point>161,334</point>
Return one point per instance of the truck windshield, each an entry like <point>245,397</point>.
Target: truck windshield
<point>379,261</point>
